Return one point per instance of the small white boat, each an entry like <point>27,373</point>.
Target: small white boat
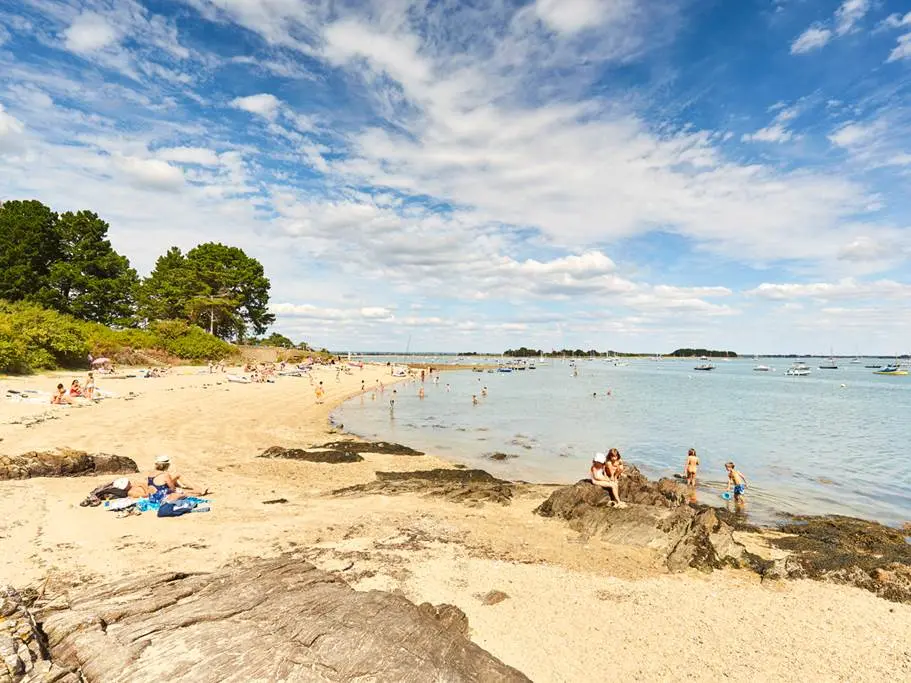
<point>761,368</point>
<point>798,370</point>
<point>705,367</point>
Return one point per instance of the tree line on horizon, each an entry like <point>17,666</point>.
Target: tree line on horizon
<point>525,352</point>
<point>66,263</point>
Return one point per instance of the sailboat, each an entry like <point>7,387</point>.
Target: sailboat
<point>829,363</point>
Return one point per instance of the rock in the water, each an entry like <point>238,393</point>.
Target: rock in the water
<point>464,486</point>
<point>383,447</point>
<point>64,462</point>
<point>267,620</point>
<point>849,550</point>
<point>501,456</point>
<point>687,537</point>
<point>328,456</point>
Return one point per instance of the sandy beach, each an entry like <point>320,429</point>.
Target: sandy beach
<point>577,609</point>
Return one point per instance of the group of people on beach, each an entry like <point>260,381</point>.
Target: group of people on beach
<point>606,470</point>
<point>62,395</point>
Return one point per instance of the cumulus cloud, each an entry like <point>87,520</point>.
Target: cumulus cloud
<point>152,174</point>
<point>902,50</point>
<point>11,131</point>
<point>263,104</point>
<point>90,32</point>
<point>572,16</point>
<point>813,38</point>
<point>849,14</point>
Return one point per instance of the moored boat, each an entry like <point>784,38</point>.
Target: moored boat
<point>761,368</point>
<point>798,369</point>
<point>891,369</point>
<point>704,367</point>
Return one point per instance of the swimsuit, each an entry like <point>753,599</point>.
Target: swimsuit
<point>739,489</point>
<point>161,491</point>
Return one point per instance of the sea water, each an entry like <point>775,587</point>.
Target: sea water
<point>834,442</point>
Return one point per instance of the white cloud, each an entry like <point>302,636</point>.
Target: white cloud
<point>813,38</point>
<point>848,14</point>
<point>897,21</point>
<point>189,155</point>
<point>263,104</point>
<point>902,50</point>
<point>572,16</point>
<point>774,133</point>
<point>11,131</point>
<point>90,32</point>
<point>152,174</point>
<point>848,288</point>
<point>854,134</point>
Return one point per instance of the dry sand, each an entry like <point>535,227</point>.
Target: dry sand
<point>577,610</point>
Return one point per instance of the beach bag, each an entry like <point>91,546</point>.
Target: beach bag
<point>176,509</point>
<point>116,489</point>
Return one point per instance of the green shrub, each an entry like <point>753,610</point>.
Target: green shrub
<point>33,338</point>
<point>190,342</point>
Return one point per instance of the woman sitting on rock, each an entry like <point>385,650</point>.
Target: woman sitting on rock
<point>605,472</point>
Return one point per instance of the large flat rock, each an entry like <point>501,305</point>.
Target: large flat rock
<point>463,486</point>
<point>64,462</point>
<point>267,620</point>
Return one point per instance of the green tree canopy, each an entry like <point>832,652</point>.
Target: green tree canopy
<point>63,262</point>
<point>90,281</point>
<point>219,288</point>
<point>29,246</point>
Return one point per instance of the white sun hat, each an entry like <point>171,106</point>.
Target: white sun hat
<point>600,457</point>
<point>162,460</point>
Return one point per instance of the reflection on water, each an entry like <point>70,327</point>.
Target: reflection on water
<point>805,444</point>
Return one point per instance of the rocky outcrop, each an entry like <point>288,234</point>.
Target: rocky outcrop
<point>64,462</point>
<point>463,486</point>
<point>324,456</point>
<point>23,654</point>
<point>847,550</point>
<point>267,620</point>
<point>685,536</point>
<point>384,447</point>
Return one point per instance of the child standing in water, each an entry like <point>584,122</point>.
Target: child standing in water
<point>736,482</point>
<point>689,469</point>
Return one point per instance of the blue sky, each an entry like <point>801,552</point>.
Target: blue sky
<point>627,174</point>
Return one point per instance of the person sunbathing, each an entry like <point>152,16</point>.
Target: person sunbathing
<point>61,396</point>
<point>75,389</point>
<point>162,485</point>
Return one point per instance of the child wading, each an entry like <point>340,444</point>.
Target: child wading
<point>692,465</point>
<point>736,482</point>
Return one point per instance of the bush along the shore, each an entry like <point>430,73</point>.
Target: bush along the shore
<point>33,338</point>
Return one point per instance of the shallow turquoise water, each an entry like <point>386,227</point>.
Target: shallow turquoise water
<point>805,444</point>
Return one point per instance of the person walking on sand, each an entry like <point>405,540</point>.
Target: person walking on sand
<point>320,392</point>
<point>736,482</point>
<point>691,466</point>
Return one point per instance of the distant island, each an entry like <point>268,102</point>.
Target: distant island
<point>525,352</point>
